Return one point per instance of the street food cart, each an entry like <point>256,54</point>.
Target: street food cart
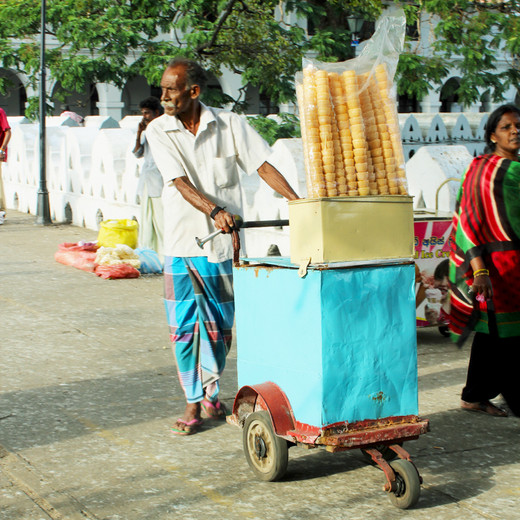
<point>326,340</point>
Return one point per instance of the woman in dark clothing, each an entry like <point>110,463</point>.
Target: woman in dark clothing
<point>485,267</point>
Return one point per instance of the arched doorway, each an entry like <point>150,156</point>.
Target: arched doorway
<point>258,103</point>
<point>214,95</point>
<point>135,90</point>
<point>83,102</point>
<point>449,98</point>
<point>407,104</point>
<point>15,98</point>
<point>485,100</point>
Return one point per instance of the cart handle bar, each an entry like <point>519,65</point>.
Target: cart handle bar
<point>241,224</point>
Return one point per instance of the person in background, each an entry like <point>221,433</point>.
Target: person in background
<point>485,267</point>
<point>150,186</point>
<point>198,150</point>
<point>67,112</point>
<point>5,136</point>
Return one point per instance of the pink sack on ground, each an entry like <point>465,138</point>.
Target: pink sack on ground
<point>117,271</point>
<point>81,257</point>
<point>75,246</point>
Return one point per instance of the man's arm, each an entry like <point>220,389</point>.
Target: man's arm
<point>277,181</point>
<point>223,219</point>
<point>138,148</point>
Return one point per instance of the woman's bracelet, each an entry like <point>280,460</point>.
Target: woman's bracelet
<point>480,272</point>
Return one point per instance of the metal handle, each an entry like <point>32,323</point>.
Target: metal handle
<point>449,179</point>
<point>241,224</point>
<point>211,236</point>
<point>264,223</point>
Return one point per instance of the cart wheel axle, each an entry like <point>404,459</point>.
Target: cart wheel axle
<point>260,447</point>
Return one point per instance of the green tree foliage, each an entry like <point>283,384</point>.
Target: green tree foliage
<point>93,41</point>
<point>468,39</point>
<point>288,125</point>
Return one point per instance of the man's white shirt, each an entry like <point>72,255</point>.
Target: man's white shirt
<point>225,144</point>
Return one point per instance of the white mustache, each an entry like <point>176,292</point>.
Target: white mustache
<point>168,104</point>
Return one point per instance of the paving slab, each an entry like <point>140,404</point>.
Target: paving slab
<point>88,392</point>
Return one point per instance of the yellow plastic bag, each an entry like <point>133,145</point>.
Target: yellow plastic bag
<point>118,231</point>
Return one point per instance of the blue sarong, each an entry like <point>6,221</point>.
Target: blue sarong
<point>198,297</point>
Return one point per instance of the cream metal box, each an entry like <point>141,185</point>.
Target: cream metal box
<point>344,229</point>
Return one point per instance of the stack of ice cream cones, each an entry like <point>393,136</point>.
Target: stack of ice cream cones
<point>351,138</point>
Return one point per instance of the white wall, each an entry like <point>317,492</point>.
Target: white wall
<point>92,174</point>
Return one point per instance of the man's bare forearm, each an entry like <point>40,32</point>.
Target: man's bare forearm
<point>277,181</point>
<point>223,219</point>
<point>192,195</point>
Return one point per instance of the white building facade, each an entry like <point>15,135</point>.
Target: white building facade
<point>107,100</point>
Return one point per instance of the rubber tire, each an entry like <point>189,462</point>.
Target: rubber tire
<point>272,465</point>
<point>408,484</point>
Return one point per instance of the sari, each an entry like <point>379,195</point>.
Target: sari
<point>486,223</point>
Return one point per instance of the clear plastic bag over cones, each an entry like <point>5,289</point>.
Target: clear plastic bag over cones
<point>348,115</point>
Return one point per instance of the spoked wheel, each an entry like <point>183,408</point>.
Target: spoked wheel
<point>266,453</point>
<point>408,486</point>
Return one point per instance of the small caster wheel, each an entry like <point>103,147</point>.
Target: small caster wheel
<point>266,453</point>
<point>408,486</point>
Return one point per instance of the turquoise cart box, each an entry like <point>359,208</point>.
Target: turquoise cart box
<point>340,342</point>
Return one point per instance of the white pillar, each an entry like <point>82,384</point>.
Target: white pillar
<point>431,103</point>
<point>110,103</point>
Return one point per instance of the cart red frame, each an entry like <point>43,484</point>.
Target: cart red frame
<point>336,437</point>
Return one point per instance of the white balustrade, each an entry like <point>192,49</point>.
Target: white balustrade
<point>100,122</point>
<point>92,174</point>
<point>457,125</point>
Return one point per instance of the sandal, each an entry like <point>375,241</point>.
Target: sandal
<point>215,410</point>
<point>190,427</point>
<point>486,407</point>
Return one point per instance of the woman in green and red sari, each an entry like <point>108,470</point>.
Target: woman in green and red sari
<point>485,267</point>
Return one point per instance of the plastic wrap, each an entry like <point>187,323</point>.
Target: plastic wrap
<point>118,231</point>
<point>121,254</point>
<point>350,129</point>
<point>80,256</point>
<point>150,261</point>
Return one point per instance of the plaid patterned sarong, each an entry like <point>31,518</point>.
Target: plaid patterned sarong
<point>198,296</point>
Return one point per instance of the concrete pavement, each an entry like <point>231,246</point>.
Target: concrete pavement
<point>89,391</point>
